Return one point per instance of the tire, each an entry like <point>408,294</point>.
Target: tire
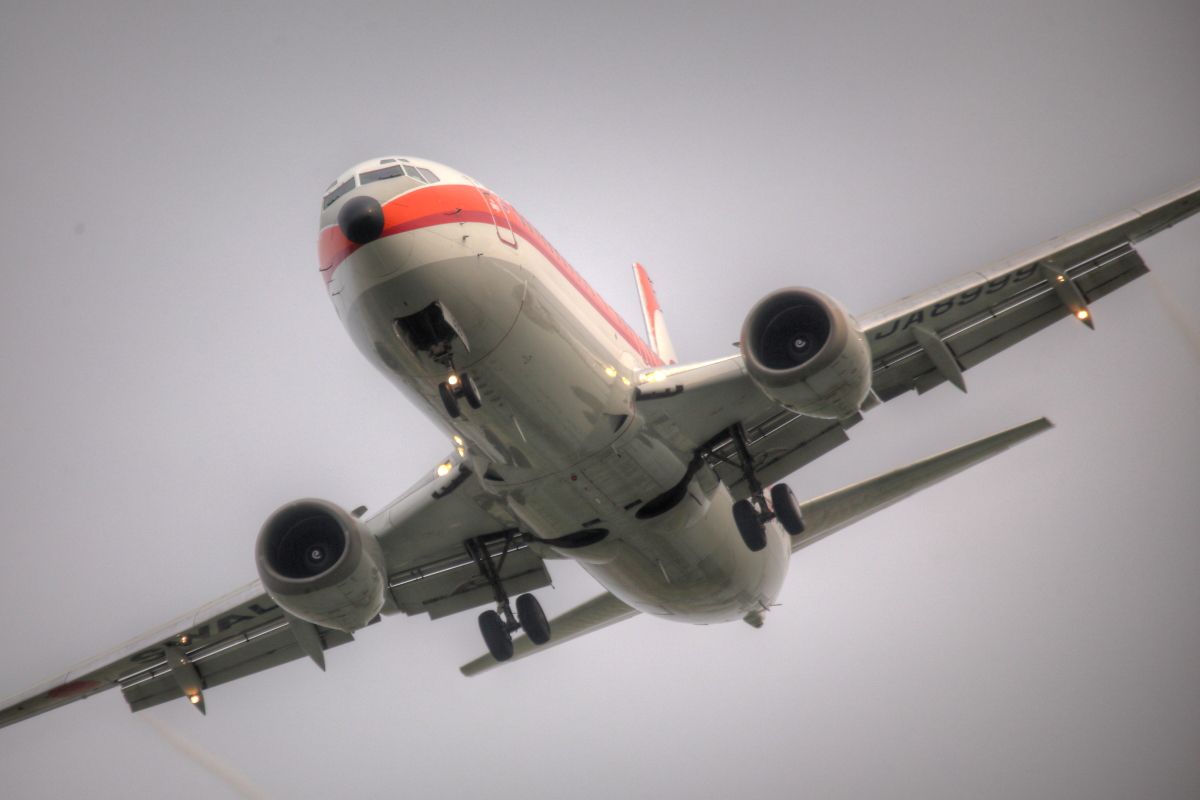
<point>787,509</point>
<point>449,400</point>
<point>751,528</point>
<point>533,619</point>
<point>470,391</point>
<point>496,636</point>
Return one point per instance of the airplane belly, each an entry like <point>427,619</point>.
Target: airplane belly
<point>701,573</point>
<point>687,563</point>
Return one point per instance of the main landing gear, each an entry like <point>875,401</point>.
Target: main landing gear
<point>752,514</point>
<point>459,386</point>
<point>498,626</point>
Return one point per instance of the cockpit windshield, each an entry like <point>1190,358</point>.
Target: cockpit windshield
<point>382,174</point>
<point>418,174</point>
<point>333,196</point>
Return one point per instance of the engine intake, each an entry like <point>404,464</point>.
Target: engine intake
<point>807,354</point>
<point>320,564</point>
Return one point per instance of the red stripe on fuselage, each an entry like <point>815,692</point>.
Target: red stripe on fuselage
<point>449,203</point>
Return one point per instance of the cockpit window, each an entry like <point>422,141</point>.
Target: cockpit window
<point>333,196</point>
<point>396,171</point>
<point>418,174</point>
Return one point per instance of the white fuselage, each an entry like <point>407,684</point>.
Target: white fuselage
<point>558,438</point>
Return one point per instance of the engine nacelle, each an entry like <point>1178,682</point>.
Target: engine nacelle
<point>320,564</point>
<point>807,354</point>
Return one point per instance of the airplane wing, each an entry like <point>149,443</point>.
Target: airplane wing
<point>422,535</point>
<point>916,343</point>
<point>237,634</point>
<point>932,337</point>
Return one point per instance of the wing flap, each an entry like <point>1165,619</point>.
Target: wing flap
<point>223,620</point>
<point>981,313</point>
<point>275,644</point>
<point>1004,321</point>
<point>779,446</point>
<point>597,613</point>
<point>454,584</point>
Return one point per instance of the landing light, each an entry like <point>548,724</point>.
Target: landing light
<point>458,440</point>
<point>184,638</point>
<point>610,372</point>
<point>462,451</point>
<point>444,469</point>
<point>1061,278</point>
<point>653,377</point>
<point>1082,314</point>
<point>452,380</point>
<point>195,698</point>
<point>626,381</point>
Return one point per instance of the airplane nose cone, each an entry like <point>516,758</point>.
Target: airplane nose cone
<point>361,219</point>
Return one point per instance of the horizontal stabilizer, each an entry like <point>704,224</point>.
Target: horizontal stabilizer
<point>832,512</point>
<point>597,613</point>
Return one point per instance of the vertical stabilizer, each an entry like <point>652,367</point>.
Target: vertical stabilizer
<point>656,325</point>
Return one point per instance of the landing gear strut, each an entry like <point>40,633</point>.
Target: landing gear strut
<point>498,626</point>
<point>752,514</point>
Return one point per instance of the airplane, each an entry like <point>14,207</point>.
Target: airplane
<point>573,438</point>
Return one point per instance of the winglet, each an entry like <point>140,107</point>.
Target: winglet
<point>656,325</point>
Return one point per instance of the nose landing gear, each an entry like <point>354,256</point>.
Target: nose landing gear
<point>498,626</point>
<point>459,386</point>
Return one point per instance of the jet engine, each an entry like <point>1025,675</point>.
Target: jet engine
<point>322,565</point>
<point>807,354</point>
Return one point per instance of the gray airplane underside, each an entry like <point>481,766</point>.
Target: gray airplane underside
<point>575,440</point>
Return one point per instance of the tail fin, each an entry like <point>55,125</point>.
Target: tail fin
<point>656,325</point>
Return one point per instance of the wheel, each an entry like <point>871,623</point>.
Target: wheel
<point>787,509</point>
<point>470,391</point>
<point>533,619</point>
<point>449,400</point>
<point>753,532</point>
<point>496,635</point>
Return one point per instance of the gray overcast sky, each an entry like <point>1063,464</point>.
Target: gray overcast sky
<point>172,372</point>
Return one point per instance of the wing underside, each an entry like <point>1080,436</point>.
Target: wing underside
<point>934,336</point>
<point>423,536</point>
<point>919,342</point>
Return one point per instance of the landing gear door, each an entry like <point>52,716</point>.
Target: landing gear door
<point>496,207</point>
